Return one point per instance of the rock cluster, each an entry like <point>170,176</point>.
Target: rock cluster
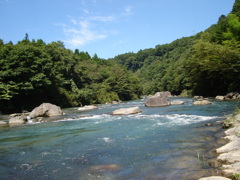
<point>230,153</point>
<point>44,110</point>
<point>232,95</point>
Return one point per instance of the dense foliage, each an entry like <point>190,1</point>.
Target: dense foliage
<point>205,64</point>
<point>33,72</point>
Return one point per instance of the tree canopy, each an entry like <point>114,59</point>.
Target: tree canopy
<point>33,72</point>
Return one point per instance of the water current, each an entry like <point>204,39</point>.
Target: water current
<point>160,143</point>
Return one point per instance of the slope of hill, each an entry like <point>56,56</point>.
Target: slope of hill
<point>206,64</point>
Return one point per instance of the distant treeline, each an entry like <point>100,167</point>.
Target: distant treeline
<point>206,64</point>
<point>33,72</point>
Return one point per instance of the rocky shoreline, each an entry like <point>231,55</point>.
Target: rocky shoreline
<point>228,159</point>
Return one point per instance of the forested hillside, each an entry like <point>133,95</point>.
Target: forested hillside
<point>205,64</point>
<point>33,72</point>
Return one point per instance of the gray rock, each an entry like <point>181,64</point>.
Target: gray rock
<point>215,178</point>
<point>220,97</point>
<point>17,120</point>
<point>232,146</point>
<point>127,111</point>
<point>158,100</point>
<point>177,102</point>
<point>198,97</point>
<point>87,108</point>
<point>46,110</point>
<point>230,157</point>
<point>203,102</point>
<point>230,170</point>
<point>166,93</point>
<point>2,123</point>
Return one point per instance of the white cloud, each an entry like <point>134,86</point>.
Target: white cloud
<point>91,27</point>
<point>103,18</point>
<point>81,33</point>
<point>128,10</point>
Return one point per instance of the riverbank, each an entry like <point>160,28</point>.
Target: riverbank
<point>228,159</point>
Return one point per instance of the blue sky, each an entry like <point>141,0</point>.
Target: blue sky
<point>108,27</point>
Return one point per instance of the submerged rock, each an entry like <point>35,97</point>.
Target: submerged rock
<point>46,110</point>
<point>127,111</point>
<point>105,168</point>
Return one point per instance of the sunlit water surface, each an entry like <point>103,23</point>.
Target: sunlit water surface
<point>160,143</point>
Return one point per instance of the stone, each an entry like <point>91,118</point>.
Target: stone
<point>208,124</point>
<point>127,111</point>
<point>213,163</point>
<point>115,102</point>
<point>87,108</point>
<point>203,102</point>
<point>215,178</point>
<point>232,169</point>
<point>232,146</point>
<point>177,102</point>
<point>17,120</point>
<point>46,110</point>
<point>105,168</point>
<point>3,123</point>
<point>233,131</point>
<point>166,93</point>
<point>198,97</point>
<point>158,100</point>
<point>231,138</point>
<point>230,157</point>
<point>220,97</point>
<point>232,95</point>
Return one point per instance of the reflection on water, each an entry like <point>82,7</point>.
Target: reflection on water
<point>160,143</point>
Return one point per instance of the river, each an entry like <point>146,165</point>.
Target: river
<point>160,143</point>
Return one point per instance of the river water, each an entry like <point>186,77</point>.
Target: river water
<point>160,143</point>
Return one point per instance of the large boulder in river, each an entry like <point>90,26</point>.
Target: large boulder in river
<point>46,110</point>
<point>158,100</point>
<point>127,111</point>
